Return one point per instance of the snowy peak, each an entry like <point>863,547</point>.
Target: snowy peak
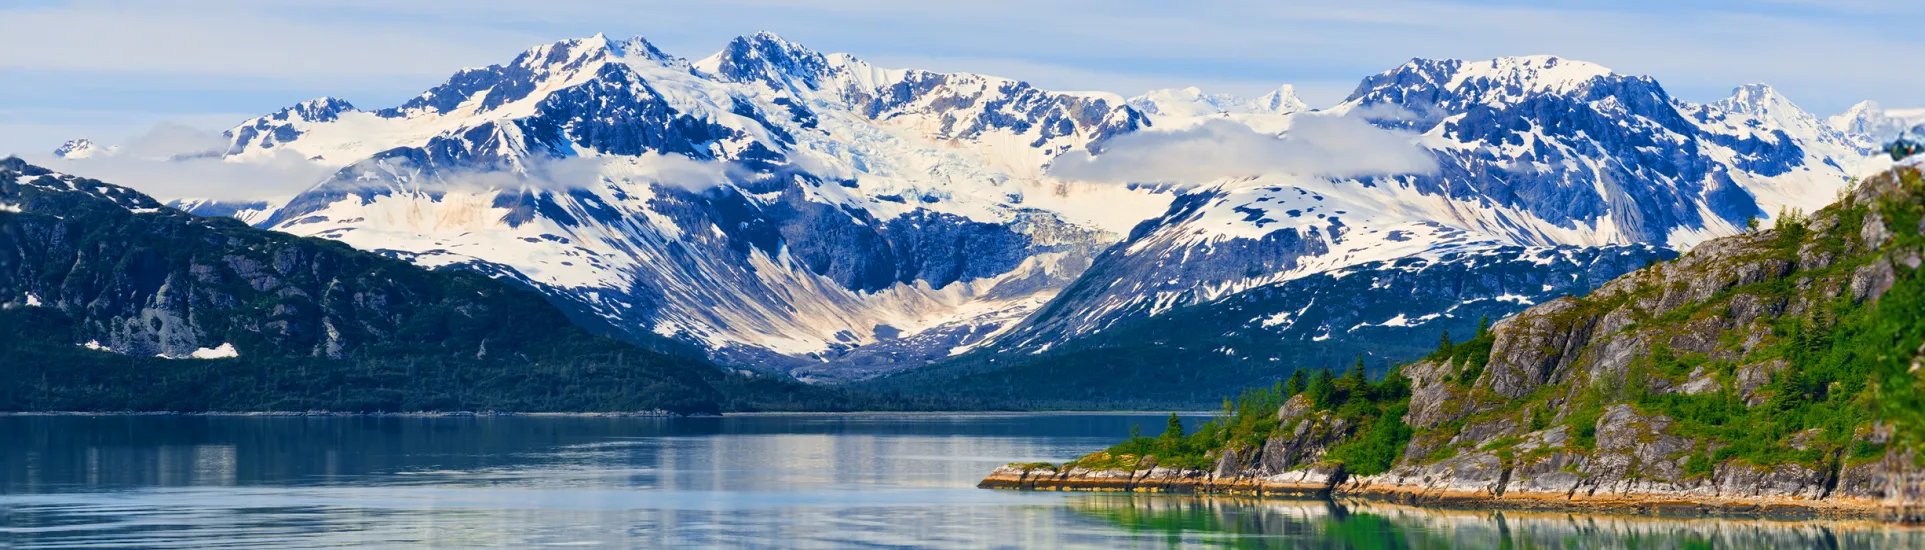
<point>1861,118</point>
<point>1194,102</point>
<point>80,149</point>
<point>286,124</point>
<point>324,109</point>
<point>767,58</point>
<point>1439,87</point>
<point>1516,76</point>
<point>1282,100</point>
<point>1758,100</point>
<point>539,67</point>
<point>1875,122</point>
<point>1770,112</point>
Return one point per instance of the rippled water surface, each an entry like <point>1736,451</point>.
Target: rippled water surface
<point>761,481</point>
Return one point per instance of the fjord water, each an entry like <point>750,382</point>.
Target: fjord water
<point>755,481</point>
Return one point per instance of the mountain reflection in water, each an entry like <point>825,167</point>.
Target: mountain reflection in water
<point>1185,521</point>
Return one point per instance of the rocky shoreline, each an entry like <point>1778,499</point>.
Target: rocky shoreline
<point>1327,481</point>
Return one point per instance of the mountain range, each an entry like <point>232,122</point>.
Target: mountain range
<point>112,302</point>
<point>813,214</point>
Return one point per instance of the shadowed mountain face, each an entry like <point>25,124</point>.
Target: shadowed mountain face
<point>114,302</point>
<point>814,214</point>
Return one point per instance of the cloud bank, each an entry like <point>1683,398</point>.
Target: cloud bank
<point>671,171</point>
<point>173,161</point>
<point>1315,146</point>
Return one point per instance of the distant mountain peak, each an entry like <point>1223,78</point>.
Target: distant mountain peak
<point>1754,99</point>
<point>1193,101</point>
<point>321,109</point>
<point>1282,100</point>
<point>497,85</point>
<point>1526,74</point>
<point>80,149</point>
<point>768,58</point>
<point>1877,123</point>
<point>1454,83</point>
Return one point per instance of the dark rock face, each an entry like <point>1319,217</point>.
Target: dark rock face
<point>1388,312</point>
<point>272,294</point>
<point>148,280</point>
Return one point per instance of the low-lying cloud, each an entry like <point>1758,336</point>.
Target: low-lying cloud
<point>172,161</point>
<point>673,171</point>
<point>1315,146</point>
<point>561,174</point>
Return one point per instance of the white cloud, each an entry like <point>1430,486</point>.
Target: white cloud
<point>176,161</point>
<point>674,171</point>
<point>1315,145</point>
<point>671,171</point>
<point>169,140</point>
<point>278,177</point>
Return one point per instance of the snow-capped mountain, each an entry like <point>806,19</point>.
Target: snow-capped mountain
<point>817,214</point>
<point>1870,120</point>
<point>1531,152</point>
<point>777,205</point>
<point>1193,102</point>
<point>80,149</point>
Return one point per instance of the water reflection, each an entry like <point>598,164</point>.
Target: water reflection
<point>789,481</point>
<point>1250,523</point>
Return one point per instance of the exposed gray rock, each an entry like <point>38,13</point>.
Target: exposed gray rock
<point>1870,281</point>
<point>1754,376</point>
<point>1537,343</point>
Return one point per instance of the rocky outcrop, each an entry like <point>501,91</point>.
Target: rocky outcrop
<point>1570,408</point>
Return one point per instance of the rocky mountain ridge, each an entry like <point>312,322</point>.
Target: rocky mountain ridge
<point>1766,372</point>
<point>815,214</point>
<point>113,302</point>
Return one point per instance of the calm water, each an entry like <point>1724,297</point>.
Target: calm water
<point>784,481</point>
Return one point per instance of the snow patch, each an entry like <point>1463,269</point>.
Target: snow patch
<point>225,351</point>
<point>1525,300</point>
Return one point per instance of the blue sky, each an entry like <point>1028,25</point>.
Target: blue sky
<point>108,69</point>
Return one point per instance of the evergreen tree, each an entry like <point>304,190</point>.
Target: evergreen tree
<point>1322,388</point>
<point>1444,344</point>
<point>1175,430</point>
<point>1484,326</point>
<point>1354,378</point>
<point>1295,386</point>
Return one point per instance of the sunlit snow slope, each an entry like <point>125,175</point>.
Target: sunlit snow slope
<point>819,215</point>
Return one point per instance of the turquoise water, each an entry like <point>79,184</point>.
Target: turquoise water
<point>805,481</point>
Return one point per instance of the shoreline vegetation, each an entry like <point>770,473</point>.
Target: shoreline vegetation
<point>1772,372</point>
